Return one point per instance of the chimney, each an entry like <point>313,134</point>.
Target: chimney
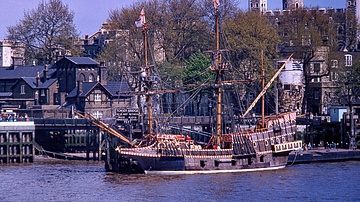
<point>103,73</point>
<point>79,87</point>
<point>79,91</point>
<point>45,73</point>
<point>38,79</point>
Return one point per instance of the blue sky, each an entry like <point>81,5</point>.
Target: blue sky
<point>90,14</point>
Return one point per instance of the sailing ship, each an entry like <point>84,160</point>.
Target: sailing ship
<point>265,147</point>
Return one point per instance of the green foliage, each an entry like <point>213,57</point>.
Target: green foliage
<point>197,69</point>
<point>249,34</point>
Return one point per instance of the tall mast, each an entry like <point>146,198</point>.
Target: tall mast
<point>148,83</point>
<point>263,86</point>
<point>218,78</point>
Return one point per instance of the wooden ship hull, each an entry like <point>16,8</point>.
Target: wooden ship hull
<point>240,152</point>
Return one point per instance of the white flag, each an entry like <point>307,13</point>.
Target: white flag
<point>141,21</point>
<point>216,3</point>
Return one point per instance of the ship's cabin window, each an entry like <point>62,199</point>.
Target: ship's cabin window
<point>272,141</point>
<point>233,163</point>
<point>283,139</point>
<point>202,164</point>
<point>266,143</point>
<point>254,144</point>
<point>261,158</point>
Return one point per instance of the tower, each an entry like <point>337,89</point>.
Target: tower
<point>260,5</point>
<point>354,5</point>
<point>293,4</point>
<point>352,31</point>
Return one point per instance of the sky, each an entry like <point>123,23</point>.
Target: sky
<point>90,14</point>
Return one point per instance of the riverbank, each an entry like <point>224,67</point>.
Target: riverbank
<point>323,155</point>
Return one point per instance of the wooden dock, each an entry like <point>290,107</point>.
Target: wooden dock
<point>17,141</point>
<point>323,155</point>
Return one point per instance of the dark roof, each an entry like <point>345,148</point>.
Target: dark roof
<point>117,86</point>
<point>82,60</point>
<point>31,81</point>
<point>111,87</point>
<point>24,71</point>
<point>5,94</point>
<point>86,88</point>
<point>47,83</point>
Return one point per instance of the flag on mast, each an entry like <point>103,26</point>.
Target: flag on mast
<point>216,3</point>
<point>141,21</point>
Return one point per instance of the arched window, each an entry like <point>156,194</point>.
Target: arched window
<point>82,77</point>
<point>91,78</point>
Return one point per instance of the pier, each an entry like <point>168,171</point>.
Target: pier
<point>17,141</point>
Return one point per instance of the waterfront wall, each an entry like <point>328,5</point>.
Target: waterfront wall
<point>17,142</point>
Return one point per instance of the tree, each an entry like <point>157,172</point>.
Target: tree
<point>248,35</point>
<point>46,30</point>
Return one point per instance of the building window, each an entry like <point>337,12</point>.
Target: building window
<point>317,67</point>
<point>334,76</point>
<point>286,87</point>
<point>98,114</point>
<point>348,60</point>
<point>91,78</point>
<point>22,89</point>
<point>334,63</point>
<point>316,80</point>
<point>42,92</point>
<point>97,97</point>
<point>316,95</point>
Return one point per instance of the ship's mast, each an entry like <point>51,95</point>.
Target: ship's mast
<point>148,82</point>
<point>263,86</point>
<point>218,79</point>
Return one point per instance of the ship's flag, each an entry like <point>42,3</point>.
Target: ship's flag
<point>141,21</point>
<point>216,3</point>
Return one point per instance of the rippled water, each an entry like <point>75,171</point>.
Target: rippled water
<point>58,180</point>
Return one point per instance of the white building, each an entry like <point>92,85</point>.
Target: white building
<point>11,53</point>
<point>291,80</point>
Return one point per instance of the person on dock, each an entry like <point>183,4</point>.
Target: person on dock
<point>309,146</point>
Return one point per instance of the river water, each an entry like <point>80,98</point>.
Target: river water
<point>61,180</point>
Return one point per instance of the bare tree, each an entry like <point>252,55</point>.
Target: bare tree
<point>46,30</point>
